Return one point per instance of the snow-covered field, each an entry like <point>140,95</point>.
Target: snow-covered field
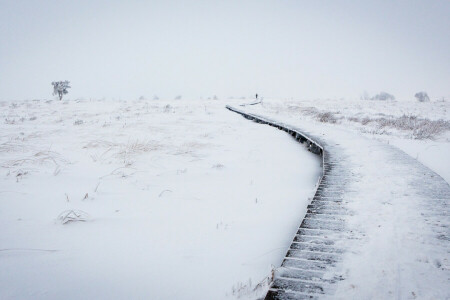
<point>421,129</point>
<point>144,200</point>
<point>178,199</point>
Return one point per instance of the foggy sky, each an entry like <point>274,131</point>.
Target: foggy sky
<point>300,49</point>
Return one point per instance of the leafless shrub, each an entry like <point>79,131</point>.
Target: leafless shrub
<point>419,128</point>
<point>354,119</point>
<point>294,108</point>
<point>310,111</point>
<point>326,117</point>
<point>429,129</point>
<point>365,121</point>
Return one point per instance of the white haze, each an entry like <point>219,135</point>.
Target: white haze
<point>300,49</point>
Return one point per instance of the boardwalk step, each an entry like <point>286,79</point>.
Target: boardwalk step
<point>325,211</point>
<point>298,286</point>
<point>315,232</point>
<point>317,240</point>
<point>325,205</point>
<point>288,295</point>
<point>320,224</point>
<point>300,254</point>
<point>312,276</point>
<point>315,265</point>
<point>315,247</point>
<point>307,275</point>
<point>325,217</point>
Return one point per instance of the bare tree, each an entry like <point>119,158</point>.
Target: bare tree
<point>60,88</point>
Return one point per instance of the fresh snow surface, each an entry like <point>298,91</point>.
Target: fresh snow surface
<point>161,199</point>
<point>432,152</point>
<point>398,218</point>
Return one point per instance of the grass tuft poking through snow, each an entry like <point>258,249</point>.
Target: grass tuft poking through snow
<point>68,216</point>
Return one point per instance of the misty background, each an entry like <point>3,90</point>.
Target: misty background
<point>298,49</point>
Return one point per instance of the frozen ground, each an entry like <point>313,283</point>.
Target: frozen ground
<point>144,200</point>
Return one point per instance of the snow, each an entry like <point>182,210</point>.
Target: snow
<point>184,199</point>
<point>399,210</point>
<point>432,152</point>
<point>176,199</point>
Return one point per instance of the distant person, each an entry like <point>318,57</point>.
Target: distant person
<point>256,96</point>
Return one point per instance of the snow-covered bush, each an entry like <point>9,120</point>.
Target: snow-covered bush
<point>177,97</point>
<point>155,97</point>
<point>326,117</point>
<point>422,97</point>
<point>383,96</point>
<point>60,88</point>
<point>420,128</point>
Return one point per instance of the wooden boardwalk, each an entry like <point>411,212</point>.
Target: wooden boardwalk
<point>313,265</point>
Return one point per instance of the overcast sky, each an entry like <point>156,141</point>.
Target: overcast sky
<point>301,49</point>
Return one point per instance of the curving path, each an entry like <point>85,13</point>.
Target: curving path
<point>377,227</point>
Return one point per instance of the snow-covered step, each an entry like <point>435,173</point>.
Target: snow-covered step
<point>303,286</point>
<point>307,264</point>
<point>315,247</point>
<point>288,295</point>
<point>317,240</point>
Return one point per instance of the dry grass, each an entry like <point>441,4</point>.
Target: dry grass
<point>123,151</point>
<point>418,128</point>
<point>326,117</point>
<point>72,216</point>
<point>415,127</point>
<point>41,157</point>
